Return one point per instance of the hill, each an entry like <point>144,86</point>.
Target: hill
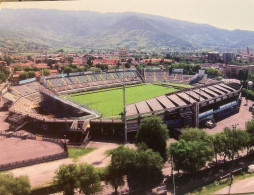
<point>27,29</point>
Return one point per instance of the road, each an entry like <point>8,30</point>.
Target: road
<point>42,174</point>
<point>242,186</point>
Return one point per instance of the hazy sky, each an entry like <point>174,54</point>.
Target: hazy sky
<point>227,14</point>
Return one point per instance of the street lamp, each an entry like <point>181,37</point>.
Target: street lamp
<point>249,85</point>
<point>233,152</point>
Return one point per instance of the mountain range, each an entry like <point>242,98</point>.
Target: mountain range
<point>29,29</point>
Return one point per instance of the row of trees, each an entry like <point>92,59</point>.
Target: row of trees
<point>189,69</point>
<point>195,147</point>
<point>10,185</point>
<point>32,74</point>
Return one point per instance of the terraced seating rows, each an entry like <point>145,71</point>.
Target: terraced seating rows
<point>89,80</point>
<point>25,89</point>
<point>162,75</point>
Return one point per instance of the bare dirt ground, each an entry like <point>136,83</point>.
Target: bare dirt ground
<point>240,118</point>
<point>16,149</point>
<point>4,125</point>
<point>242,186</point>
<point>42,174</point>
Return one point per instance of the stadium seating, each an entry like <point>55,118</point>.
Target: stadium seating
<point>90,80</point>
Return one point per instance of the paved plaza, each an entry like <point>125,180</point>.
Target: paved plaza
<point>240,118</point>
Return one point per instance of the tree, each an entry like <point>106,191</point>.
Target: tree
<point>235,140</point>
<point>114,177</point>
<point>67,70</point>
<point>190,156</point>
<point>27,68</point>
<point>60,50</point>
<point>31,74</point>
<point>14,185</point>
<point>127,65</point>
<point>194,134</point>
<point>23,75</point>
<point>219,145</point>
<point>89,180</point>
<point>140,166</point>
<point>242,76</point>
<point>17,68</point>
<point>89,61</point>
<point>148,167</point>
<point>154,134</point>
<point>30,58</point>
<point>122,163</point>
<point>250,130</point>
<point>66,178</point>
<point>50,63</point>
<point>46,72</point>
<point>213,72</point>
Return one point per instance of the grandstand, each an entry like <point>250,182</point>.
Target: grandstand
<point>163,75</point>
<point>91,81</point>
<point>46,105</point>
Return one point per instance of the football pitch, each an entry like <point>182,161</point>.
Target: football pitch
<point>109,102</point>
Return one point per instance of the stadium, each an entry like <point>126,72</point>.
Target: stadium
<point>91,104</point>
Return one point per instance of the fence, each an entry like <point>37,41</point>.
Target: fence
<point>33,161</point>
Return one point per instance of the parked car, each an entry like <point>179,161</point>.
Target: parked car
<point>210,124</point>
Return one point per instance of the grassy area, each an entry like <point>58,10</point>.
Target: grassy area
<point>212,188</point>
<point>110,103</point>
<point>75,153</point>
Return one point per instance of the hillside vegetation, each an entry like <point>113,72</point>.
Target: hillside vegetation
<point>27,29</point>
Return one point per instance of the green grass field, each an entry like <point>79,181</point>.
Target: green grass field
<point>110,103</point>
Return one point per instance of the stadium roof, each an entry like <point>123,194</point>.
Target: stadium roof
<point>179,99</point>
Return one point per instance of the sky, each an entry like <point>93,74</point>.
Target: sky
<point>226,14</point>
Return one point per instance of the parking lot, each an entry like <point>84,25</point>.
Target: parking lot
<point>239,118</point>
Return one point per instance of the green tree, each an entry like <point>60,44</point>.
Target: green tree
<point>213,72</point>
<point>235,140</point>
<point>190,156</point>
<point>127,65</point>
<point>66,178</point>
<point>30,58</point>
<point>68,70</point>
<point>27,68</point>
<point>89,180</point>
<point>35,68</point>
<point>23,75</point>
<point>89,61</point>
<point>122,163</point>
<point>31,74</point>
<point>46,72</point>
<point>140,166</point>
<point>250,130</point>
<point>148,167</point>
<point>219,145</point>
<point>10,185</point>
<point>114,176</point>
<point>194,134</point>
<point>17,68</point>
<point>3,76</point>
<point>154,134</point>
